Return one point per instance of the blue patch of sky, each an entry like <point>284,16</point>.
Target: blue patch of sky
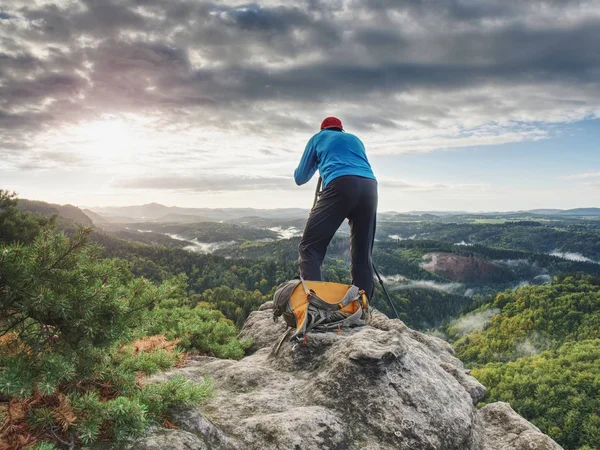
<point>567,149</point>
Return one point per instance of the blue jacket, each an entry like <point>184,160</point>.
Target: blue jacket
<point>335,154</point>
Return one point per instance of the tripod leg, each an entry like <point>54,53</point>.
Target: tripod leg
<point>386,293</point>
<point>319,184</point>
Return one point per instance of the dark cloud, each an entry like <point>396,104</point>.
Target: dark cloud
<point>461,11</point>
<point>48,24</point>
<point>270,20</point>
<point>26,122</point>
<point>50,85</point>
<point>20,63</point>
<point>260,67</point>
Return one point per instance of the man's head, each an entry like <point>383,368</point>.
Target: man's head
<point>332,122</point>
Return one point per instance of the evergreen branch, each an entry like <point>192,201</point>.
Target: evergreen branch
<point>10,328</point>
<point>76,244</point>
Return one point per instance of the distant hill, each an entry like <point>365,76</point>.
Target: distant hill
<point>437,213</point>
<point>155,212</point>
<point>580,212</point>
<point>96,218</point>
<point>594,212</point>
<point>546,212</point>
<point>183,218</point>
<point>68,212</point>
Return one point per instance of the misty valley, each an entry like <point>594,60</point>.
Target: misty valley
<point>437,265</point>
<point>518,294</point>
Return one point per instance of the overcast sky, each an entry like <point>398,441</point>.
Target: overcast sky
<point>462,104</point>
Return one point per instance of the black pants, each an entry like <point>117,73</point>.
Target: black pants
<point>348,197</point>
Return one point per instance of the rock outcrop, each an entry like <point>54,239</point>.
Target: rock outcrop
<point>466,269</point>
<point>383,386</point>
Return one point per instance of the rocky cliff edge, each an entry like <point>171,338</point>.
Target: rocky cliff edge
<point>378,387</point>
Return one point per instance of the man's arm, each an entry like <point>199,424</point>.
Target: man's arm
<point>308,165</point>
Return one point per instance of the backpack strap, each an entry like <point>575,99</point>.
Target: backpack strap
<point>359,317</point>
<point>282,296</point>
<point>355,319</point>
<point>352,295</point>
<point>304,286</point>
<point>275,349</point>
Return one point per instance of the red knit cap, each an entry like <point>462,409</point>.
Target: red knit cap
<point>331,122</point>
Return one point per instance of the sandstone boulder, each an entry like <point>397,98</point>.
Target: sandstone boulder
<point>382,386</point>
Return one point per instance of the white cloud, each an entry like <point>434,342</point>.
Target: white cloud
<point>400,282</point>
<point>582,176</point>
<point>571,256</point>
<point>474,321</point>
<point>190,88</point>
<point>209,182</point>
<point>392,183</point>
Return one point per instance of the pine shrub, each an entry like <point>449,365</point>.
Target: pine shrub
<point>199,329</point>
<point>67,375</point>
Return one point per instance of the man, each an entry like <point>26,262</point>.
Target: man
<point>350,192</point>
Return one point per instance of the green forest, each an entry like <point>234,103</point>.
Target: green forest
<point>541,353</point>
<point>539,236</point>
<point>88,311</point>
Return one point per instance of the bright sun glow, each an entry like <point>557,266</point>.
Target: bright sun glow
<point>108,140</point>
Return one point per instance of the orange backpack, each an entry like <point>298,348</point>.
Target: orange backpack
<point>320,306</point>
